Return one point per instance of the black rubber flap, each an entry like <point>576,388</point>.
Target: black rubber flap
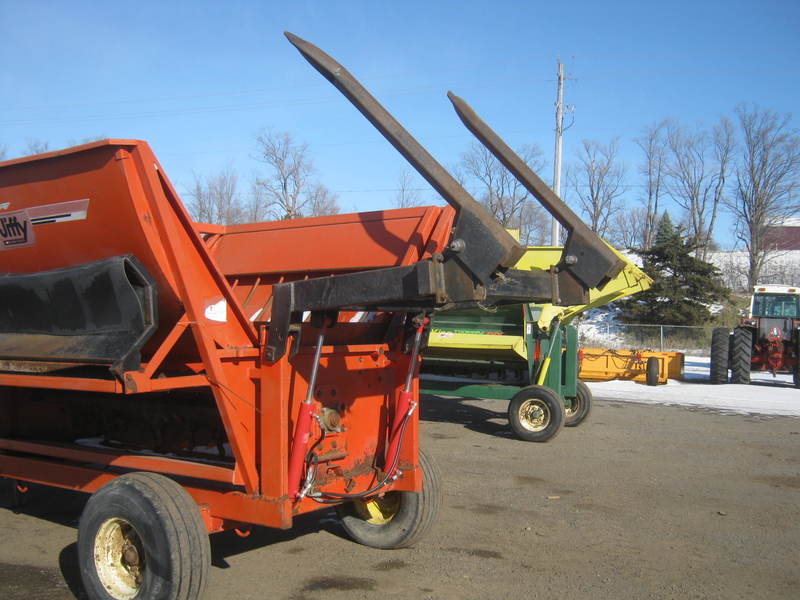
<point>100,312</point>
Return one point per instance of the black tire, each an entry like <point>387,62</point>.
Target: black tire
<point>720,347</point>
<point>142,536</point>
<point>580,406</point>
<point>796,370</point>
<point>536,414</point>
<point>740,355</point>
<point>652,368</point>
<point>399,519</point>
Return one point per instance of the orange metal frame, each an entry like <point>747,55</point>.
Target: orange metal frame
<point>134,209</point>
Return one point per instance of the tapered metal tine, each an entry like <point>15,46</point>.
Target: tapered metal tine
<point>604,263</point>
<point>444,183</point>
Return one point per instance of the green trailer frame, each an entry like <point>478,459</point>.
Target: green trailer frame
<point>559,373</point>
<point>542,385</point>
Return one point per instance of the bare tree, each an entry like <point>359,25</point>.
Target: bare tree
<point>628,229</point>
<point>651,169</point>
<point>288,190</point>
<point>534,225</point>
<point>724,134</point>
<point>286,185</point>
<point>2,152</point>
<point>696,169</point>
<point>34,146</point>
<point>321,201</point>
<point>215,199</point>
<point>767,175</point>
<point>500,192</point>
<point>86,140</point>
<point>597,181</point>
<point>254,206</point>
<point>407,195</point>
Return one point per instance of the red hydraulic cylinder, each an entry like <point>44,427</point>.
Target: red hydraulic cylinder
<point>302,431</point>
<point>405,404</point>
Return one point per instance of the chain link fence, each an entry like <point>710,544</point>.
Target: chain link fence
<point>693,340</point>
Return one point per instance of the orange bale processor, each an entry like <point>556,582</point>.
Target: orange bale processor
<point>196,378</point>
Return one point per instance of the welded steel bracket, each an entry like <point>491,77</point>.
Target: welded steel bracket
<point>436,283</point>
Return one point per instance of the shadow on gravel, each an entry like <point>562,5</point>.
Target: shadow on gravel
<point>455,410</point>
<point>56,505</point>
<point>228,543</point>
<point>25,582</point>
<point>52,504</point>
<point>64,507</point>
<point>71,571</point>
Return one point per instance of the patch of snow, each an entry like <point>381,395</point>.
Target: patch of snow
<point>599,327</point>
<point>765,395</point>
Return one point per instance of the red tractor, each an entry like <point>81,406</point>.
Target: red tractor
<point>767,339</point>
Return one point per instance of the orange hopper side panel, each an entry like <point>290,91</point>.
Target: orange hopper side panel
<point>97,201</point>
<point>214,283</point>
<point>257,255</point>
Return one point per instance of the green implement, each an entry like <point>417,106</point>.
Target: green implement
<point>512,352</point>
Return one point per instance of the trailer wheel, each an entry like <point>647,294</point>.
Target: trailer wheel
<point>720,348</point>
<point>652,369</point>
<point>740,355</point>
<point>579,407</point>
<point>796,377</point>
<point>536,414</point>
<point>398,519</point>
<point>141,536</point>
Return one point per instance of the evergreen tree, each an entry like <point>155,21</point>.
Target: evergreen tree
<point>683,286</point>
<point>666,231</point>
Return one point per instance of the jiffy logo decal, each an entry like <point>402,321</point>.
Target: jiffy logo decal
<point>16,230</point>
<point>16,227</point>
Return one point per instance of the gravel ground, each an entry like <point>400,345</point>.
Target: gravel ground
<point>640,501</point>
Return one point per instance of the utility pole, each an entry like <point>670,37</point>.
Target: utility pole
<point>555,234</point>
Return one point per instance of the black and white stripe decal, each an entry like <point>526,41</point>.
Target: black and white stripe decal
<point>60,212</point>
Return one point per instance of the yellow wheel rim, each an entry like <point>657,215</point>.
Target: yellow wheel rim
<point>534,415</point>
<point>571,406</point>
<point>119,558</point>
<point>378,511</point>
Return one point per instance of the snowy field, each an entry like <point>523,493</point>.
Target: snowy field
<point>765,395</point>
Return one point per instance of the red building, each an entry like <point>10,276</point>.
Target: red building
<point>784,236</point>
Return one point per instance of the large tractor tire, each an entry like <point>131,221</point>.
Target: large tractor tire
<point>396,519</point>
<point>536,414</point>
<point>578,408</point>
<point>142,536</point>
<point>741,351</point>
<point>652,368</point>
<point>720,347</point>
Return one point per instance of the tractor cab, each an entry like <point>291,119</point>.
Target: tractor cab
<point>775,301</point>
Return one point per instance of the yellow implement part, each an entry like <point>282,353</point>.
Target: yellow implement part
<point>603,364</point>
<point>511,347</point>
<point>631,280</point>
<point>543,372</point>
<point>378,511</point>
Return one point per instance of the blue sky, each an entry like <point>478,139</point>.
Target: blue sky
<point>198,80</point>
